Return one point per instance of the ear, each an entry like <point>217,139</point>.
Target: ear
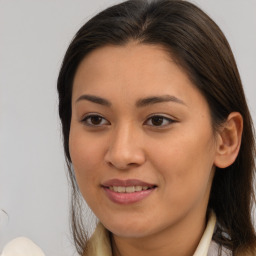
<point>229,140</point>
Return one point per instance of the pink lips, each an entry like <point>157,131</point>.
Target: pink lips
<point>125,197</point>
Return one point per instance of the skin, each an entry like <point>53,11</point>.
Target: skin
<point>177,156</point>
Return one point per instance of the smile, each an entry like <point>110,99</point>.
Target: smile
<point>130,189</point>
<point>127,191</point>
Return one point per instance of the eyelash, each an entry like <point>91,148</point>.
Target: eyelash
<point>164,119</point>
<point>168,121</point>
<point>86,119</point>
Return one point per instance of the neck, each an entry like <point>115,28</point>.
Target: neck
<point>180,239</point>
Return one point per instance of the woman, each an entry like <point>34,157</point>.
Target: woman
<point>157,134</point>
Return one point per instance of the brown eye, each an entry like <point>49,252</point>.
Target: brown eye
<point>159,121</point>
<point>95,120</point>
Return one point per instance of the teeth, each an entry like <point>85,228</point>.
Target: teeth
<point>130,189</point>
<point>121,189</point>
<point>138,188</point>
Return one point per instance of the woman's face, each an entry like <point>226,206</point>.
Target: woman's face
<point>141,141</point>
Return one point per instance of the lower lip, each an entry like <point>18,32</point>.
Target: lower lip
<point>127,198</point>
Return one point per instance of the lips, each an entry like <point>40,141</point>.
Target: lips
<point>127,191</point>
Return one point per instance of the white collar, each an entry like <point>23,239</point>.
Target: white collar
<point>204,244</point>
<point>99,243</point>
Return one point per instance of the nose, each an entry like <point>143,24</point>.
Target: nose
<point>125,149</point>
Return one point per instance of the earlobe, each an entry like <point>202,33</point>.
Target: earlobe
<point>229,140</point>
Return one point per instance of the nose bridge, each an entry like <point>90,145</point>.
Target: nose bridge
<point>125,147</point>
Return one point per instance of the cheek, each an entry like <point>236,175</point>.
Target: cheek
<point>185,163</point>
<point>85,157</point>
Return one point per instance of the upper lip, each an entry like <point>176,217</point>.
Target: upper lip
<point>126,183</point>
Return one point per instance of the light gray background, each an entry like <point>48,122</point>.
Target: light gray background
<point>34,35</point>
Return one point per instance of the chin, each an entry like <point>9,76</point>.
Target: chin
<point>128,230</point>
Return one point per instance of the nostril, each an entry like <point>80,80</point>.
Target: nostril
<point>124,153</point>
<point>119,166</point>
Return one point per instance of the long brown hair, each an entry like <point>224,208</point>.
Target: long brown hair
<point>199,46</point>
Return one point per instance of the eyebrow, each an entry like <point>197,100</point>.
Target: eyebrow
<point>140,103</point>
<point>158,99</point>
<point>94,99</point>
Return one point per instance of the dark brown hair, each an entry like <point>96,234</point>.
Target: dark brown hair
<point>201,49</point>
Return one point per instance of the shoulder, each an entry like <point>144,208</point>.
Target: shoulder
<point>22,246</point>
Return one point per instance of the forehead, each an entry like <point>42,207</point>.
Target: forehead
<point>136,70</point>
<point>132,58</point>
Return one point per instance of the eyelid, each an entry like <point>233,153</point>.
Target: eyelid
<point>169,119</point>
<point>86,117</point>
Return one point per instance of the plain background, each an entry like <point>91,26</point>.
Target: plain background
<point>34,35</point>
